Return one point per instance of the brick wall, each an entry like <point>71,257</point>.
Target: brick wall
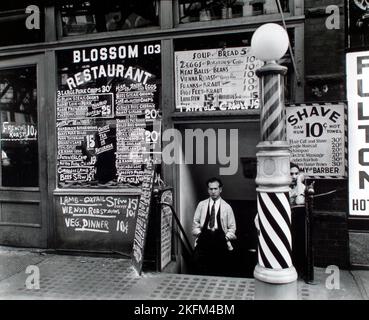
<point>324,53</point>
<point>330,239</point>
<point>325,65</point>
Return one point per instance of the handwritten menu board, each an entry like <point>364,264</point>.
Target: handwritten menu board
<point>142,219</point>
<point>108,115</point>
<point>101,222</point>
<point>316,134</point>
<point>216,79</point>
<point>166,223</point>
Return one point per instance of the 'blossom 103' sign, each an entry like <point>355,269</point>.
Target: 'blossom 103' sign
<point>357,64</point>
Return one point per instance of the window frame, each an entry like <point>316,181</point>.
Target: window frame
<point>296,8</point>
<point>105,34</point>
<point>36,61</point>
<point>22,14</point>
<point>297,91</point>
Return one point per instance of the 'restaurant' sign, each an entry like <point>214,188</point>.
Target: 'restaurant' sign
<point>216,79</point>
<point>316,134</point>
<point>108,115</point>
<point>357,68</point>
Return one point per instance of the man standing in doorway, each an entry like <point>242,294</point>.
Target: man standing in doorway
<point>214,227</point>
<point>297,187</point>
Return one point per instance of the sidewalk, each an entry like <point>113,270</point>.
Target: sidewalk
<point>96,278</point>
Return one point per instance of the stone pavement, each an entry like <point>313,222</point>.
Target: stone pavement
<point>100,278</point>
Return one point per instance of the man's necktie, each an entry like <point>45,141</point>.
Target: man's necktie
<point>212,216</point>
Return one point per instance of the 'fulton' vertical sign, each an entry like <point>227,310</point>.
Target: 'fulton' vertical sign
<point>357,65</point>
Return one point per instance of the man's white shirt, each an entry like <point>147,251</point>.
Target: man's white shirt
<point>217,205</point>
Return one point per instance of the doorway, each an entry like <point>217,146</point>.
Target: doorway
<point>23,170</point>
<point>239,189</point>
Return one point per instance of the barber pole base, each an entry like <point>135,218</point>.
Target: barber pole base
<point>274,214</point>
<point>275,276</point>
<point>275,243</point>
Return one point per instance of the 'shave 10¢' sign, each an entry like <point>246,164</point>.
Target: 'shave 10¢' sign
<point>316,134</point>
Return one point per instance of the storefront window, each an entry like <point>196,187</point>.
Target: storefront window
<point>14,28</point>
<point>358,24</point>
<point>82,17</point>
<point>108,114</point>
<point>205,10</point>
<point>19,136</point>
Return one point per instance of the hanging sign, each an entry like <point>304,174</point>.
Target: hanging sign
<point>216,79</point>
<point>316,134</point>
<point>357,69</point>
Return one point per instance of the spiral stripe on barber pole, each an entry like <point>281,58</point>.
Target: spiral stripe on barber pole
<point>273,113</point>
<point>275,243</point>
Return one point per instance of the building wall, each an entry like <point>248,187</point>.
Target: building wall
<point>324,53</point>
<point>321,52</point>
<point>324,82</point>
<point>330,239</point>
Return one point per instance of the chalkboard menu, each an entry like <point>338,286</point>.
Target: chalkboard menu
<point>142,219</point>
<point>97,222</point>
<point>108,115</point>
<point>216,80</point>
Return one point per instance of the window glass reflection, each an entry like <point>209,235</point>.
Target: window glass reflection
<point>84,17</point>
<point>19,132</point>
<point>206,10</point>
<point>13,28</point>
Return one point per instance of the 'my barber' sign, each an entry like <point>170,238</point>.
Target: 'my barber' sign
<point>316,134</point>
<point>357,65</point>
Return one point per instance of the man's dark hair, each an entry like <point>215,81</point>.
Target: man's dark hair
<point>294,165</point>
<point>214,179</point>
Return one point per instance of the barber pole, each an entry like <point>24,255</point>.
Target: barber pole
<point>275,236</point>
<point>273,179</point>
<point>273,126</point>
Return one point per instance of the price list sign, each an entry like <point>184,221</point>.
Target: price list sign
<point>15,131</point>
<point>108,115</point>
<point>216,79</point>
<point>85,106</point>
<point>97,221</point>
<point>139,240</point>
<point>166,224</point>
<point>316,134</point>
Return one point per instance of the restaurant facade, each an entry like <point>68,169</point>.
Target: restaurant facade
<point>103,103</point>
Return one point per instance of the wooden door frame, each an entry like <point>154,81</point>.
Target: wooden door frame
<point>39,62</point>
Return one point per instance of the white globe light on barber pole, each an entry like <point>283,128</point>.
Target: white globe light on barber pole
<point>270,43</point>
